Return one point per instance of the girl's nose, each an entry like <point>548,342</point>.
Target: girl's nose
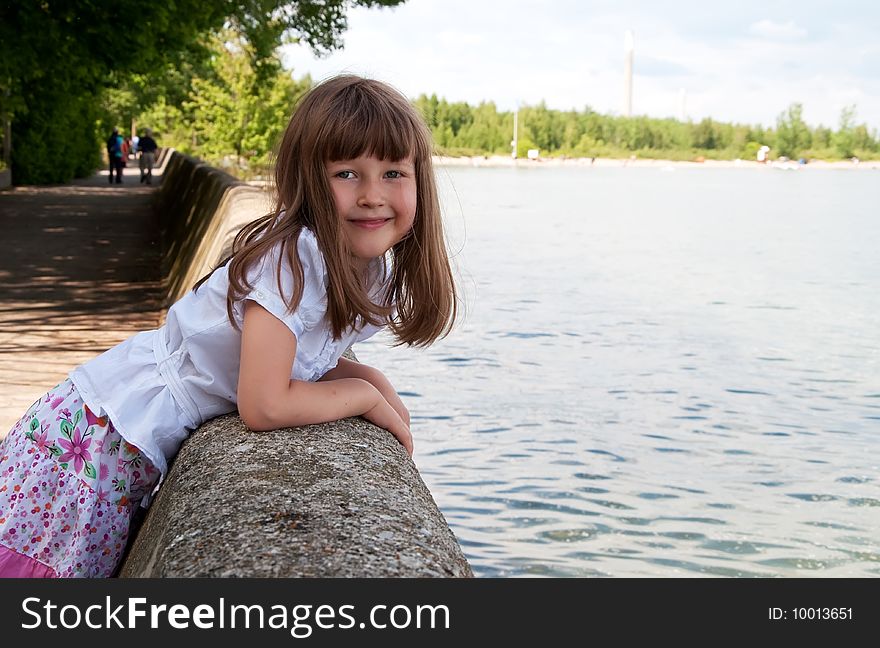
<point>371,195</point>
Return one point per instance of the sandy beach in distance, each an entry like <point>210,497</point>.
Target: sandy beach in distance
<point>506,161</point>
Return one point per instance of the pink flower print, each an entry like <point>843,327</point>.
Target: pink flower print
<point>78,450</point>
<point>64,414</point>
<point>104,470</point>
<point>55,402</point>
<point>102,494</point>
<point>42,441</point>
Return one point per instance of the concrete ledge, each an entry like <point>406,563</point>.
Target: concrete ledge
<point>329,500</point>
<point>337,499</point>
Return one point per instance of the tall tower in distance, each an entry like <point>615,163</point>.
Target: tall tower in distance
<point>628,48</point>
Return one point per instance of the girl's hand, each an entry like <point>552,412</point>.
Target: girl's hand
<point>349,369</point>
<point>386,417</point>
<point>380,382</point>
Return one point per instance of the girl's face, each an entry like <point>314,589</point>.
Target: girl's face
<point>376,201</point>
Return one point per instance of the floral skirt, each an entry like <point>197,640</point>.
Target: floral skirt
<point>69,486</point>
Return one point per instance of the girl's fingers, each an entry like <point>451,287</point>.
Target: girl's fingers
<point>402,433</point>
<point>384,416</point>
<point>407,442</point>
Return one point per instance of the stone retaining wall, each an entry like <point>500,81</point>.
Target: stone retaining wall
<point>200,210</point>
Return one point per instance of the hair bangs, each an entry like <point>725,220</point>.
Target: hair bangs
<point>366,122</point>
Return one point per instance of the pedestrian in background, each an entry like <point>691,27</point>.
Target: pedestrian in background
<point>148,148</point>
<point>115,154</point>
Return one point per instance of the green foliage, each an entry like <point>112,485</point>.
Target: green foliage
<point>844,140</point>
<point>459,127</point>
<point>750,150</point>
<point>523,144</point>
<point>238,108</point>
<point>55,145</point>
<point>229,108</point>
<point>56,58</point>
<point>708,135</point>
<point>792,134</point>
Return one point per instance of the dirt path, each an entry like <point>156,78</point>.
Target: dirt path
<point>80,272</point>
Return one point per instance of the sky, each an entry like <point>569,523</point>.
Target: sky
<point>743,61</point>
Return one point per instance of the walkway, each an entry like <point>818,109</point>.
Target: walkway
<point>80,272</point>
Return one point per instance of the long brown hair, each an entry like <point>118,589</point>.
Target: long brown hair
<point>343,118</point>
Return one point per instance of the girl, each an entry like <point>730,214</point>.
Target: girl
<point>354,243</point>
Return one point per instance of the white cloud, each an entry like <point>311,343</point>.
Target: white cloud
<point>741,64</point>
<point>460,39</point>
<point>787,31</point>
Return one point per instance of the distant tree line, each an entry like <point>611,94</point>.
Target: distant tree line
<point>231,115</point>
<point>462,129</point>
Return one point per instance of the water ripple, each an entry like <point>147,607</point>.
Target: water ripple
<point>611,505</point>
<point>855,480</point>
<point>813,497</point>
<point>524,336</point>
<point>574,535</point>
<point>863,501</point>
<point>615,457</point>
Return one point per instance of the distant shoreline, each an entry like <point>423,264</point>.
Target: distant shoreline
<point>505,161</point>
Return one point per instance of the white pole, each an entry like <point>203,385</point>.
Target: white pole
<point>515,130</point>
<point>628,48</point>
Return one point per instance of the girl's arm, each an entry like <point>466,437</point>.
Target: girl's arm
<point>268,399</point>
<point>351,369</point>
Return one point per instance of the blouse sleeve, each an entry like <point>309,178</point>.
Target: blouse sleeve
<point>367,332</point>
<point>265,291</point>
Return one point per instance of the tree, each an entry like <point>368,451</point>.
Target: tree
<point>792,134</point>
<point>705,135</point>
<point>236,108</point>
<point>822,137</point>
<point>845,138</point>
<point>56,57</point>
<point>541,127</point>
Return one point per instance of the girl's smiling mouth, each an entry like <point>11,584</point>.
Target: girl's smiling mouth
<point>370,223</point>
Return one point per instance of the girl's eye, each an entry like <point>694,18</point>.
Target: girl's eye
<point>345,175</point>
<point>393,174</point>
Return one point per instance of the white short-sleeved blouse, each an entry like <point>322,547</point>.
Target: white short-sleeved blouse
<point>159,385</point>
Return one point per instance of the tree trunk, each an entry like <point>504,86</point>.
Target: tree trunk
<point>7,141</point>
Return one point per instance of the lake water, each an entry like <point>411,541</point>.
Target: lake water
<point>658,374</point>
